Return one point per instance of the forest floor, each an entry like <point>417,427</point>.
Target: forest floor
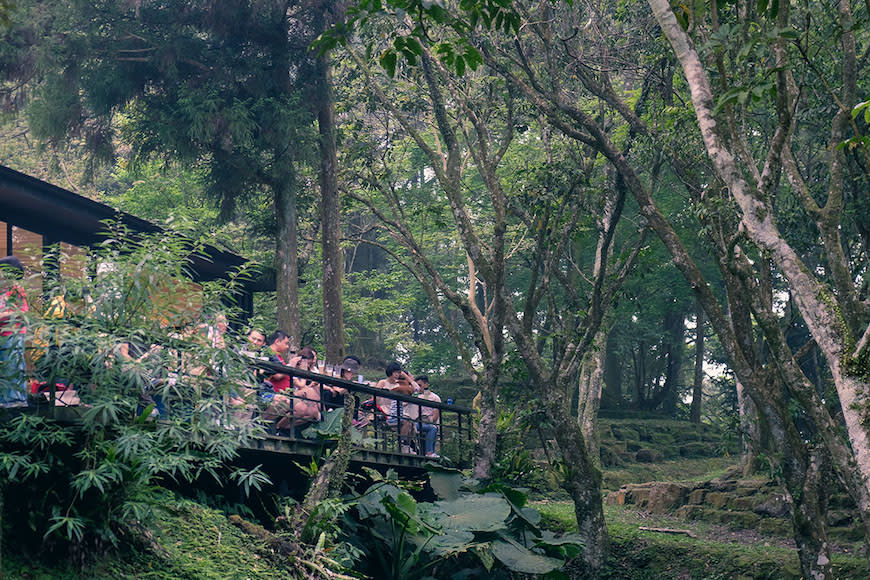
<point>191,541</point>
<point>691,549</point>
<point>694,549</point>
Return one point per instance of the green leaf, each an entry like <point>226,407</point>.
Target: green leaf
<point>570,545</point>
<point>445,484</point>
<point>371,503</point>
<point>473,58</point>
<point>477,513</point>
<point>455,542</point>
<point>520,559</point>
<point>388,62</point>
<point>72,527</point>
<point>865,107</point>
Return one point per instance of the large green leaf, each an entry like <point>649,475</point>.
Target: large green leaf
<point>445,483</point>
<point>519,559</point>
<point>455,542</point>
<point>569,545</point>
<point>371,503</point>
<point>476,513</point>
<point>530,515</point>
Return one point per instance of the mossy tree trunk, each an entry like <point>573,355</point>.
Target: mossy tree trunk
<point>331,475</point>
<point>330,206</point>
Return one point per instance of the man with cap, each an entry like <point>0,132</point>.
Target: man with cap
<point>334,396</point>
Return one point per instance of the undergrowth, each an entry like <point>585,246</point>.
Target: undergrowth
<point>675,470</point>
<point>641,555</point>
<point>198,542</point>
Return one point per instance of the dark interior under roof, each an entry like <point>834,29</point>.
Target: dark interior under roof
<point>60,215</point>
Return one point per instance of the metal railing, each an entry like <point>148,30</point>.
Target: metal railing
<point>381,429</point>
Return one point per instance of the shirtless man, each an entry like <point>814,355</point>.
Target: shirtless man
<point>306,394</point>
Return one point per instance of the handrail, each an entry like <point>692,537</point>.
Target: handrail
<point>383,425</point>
<point>354,386</point>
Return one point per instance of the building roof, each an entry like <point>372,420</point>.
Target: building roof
<point>63,216</point>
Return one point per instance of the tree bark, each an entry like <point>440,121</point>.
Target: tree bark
<point>591,384</point>
<point>698,380</point>
<point>330,210</point>
<point>286,260</point>
<point>487,431</point>
<point>332,473</point>
<point>582,481</point>
<point>816,303</point>
<point>750,431</point>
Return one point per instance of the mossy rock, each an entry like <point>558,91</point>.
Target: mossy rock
<point>696,497</point>
<point>774,505</point>
<point>846,533</point>
<point>663,439</point>
<point>744,504</point>
<point>633,446</point>
<point>837,518</point>
<point>697,449</point>
<point>623,433</point>
<point>840,501</point>
<point>690,512</point>
<point>627,457</point>
<point>686,434</point>
<point>739,520</point>
<point>775,527</point>
<point>749,487</point>
<point>648,456</point>
<point>717,499</point>
<point>616,446</point>
<point>610,457</point>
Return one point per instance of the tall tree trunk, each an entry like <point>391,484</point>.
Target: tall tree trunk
<point>487,425</point>
<point>674,328</point>
<point>809,512</point>
<point>591,384</point>
<point>287,261</point>
<point>330,213</point>
<point>817,304</point>
<point>750,430</point>
<point>698,381</point>
<point>584,482</point>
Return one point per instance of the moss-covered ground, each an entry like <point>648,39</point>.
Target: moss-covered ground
<point>642,555</point>
<point>199,544</point>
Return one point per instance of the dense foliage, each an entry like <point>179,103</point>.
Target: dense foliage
<point>81,464</point>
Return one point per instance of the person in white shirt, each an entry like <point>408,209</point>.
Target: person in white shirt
<point>430,416</point>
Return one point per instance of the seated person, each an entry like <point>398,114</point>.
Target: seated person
<point>333,396</point>
<point>256,340</point>
<point>132,351</point>
<point>278,343</point>
<point>429,416</point>
<point>398,381</point>
<point>305,407</point>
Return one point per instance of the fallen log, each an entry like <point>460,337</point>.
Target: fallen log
<point>689,533</point>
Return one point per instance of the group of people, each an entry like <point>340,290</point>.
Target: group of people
<point>295,401</point>
<point>292,402</point>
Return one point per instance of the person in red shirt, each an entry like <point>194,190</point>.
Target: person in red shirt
<point>279,344</point>
<point>13,305</point>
